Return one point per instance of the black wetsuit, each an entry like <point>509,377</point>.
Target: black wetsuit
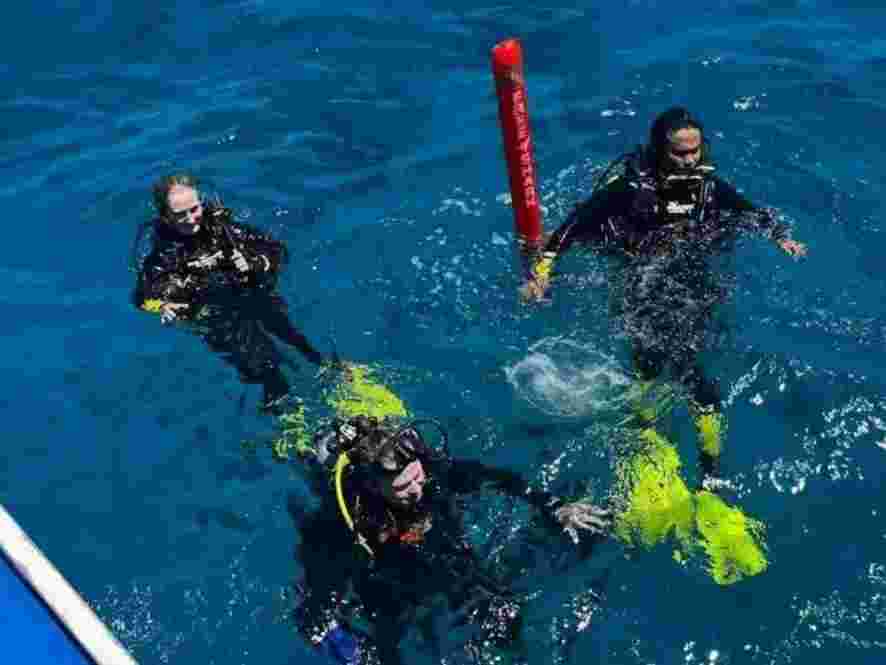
<point>235,312</point>
<point>665,238</point>
<point>420,555</point>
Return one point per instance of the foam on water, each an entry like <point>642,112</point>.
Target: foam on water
<point>563,377</point>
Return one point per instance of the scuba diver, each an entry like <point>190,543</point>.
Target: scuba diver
<point>220,276</point>
<point>388,544</point>
<point>664,218</point>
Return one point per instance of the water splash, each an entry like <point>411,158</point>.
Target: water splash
<point>563,377</point>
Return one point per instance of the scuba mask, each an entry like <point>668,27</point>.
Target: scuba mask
<point>670,175</point>
<point>688,178</point>
<point>396,453</point>
<point>368,442</point>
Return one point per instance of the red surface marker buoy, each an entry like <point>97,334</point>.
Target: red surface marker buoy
<point>513,114</point>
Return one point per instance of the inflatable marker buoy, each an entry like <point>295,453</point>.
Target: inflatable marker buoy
<point>513,114</point>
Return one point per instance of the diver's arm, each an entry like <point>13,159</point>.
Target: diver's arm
<point>589,223</point>
<point>728,198</point>
<point>538,267</point>
<point>466,476</point>
<point>755,219</point>
<point>160,288</point>
<point>751,217</point>
<point>470,476</point>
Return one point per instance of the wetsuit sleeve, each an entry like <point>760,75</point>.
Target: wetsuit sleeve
<point>466,476</point>
<point>592,221</point>
<point>751,218</point>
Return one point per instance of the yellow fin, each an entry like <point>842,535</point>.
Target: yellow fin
<point>362,396</point>
<point>710,426</point>
<point>732,541</point>
<point>658,500</point>
<point>658,504</point>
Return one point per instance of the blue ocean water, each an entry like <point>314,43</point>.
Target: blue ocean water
<point>366,137</point>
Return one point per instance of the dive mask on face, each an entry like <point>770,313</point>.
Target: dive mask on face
<point>397,453</point>
<point>347,432</point>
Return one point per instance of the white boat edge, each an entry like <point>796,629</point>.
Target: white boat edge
<point>66,604</point>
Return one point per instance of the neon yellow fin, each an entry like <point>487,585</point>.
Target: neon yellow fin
<point>657,504</point>
<point>362,396</point>
<point>658,501</point>
<point>710,426</point>
<point>732,541</point>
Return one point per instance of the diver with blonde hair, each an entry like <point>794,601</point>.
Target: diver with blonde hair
<point>220,275</point>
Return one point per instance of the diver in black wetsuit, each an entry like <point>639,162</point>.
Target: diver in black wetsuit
<point>665,217</point>
<point>396,542</point>
<point>220,276</point>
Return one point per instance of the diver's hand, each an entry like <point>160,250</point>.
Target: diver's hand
<point>206,262</point>
<point>169,311</point>
<point>240,262</point>
<point>792,247</point>
<point>583,515</point>
<point>535,289</point>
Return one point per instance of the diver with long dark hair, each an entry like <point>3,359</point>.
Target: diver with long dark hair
<point>388,539</point>
<point>664,213</point>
